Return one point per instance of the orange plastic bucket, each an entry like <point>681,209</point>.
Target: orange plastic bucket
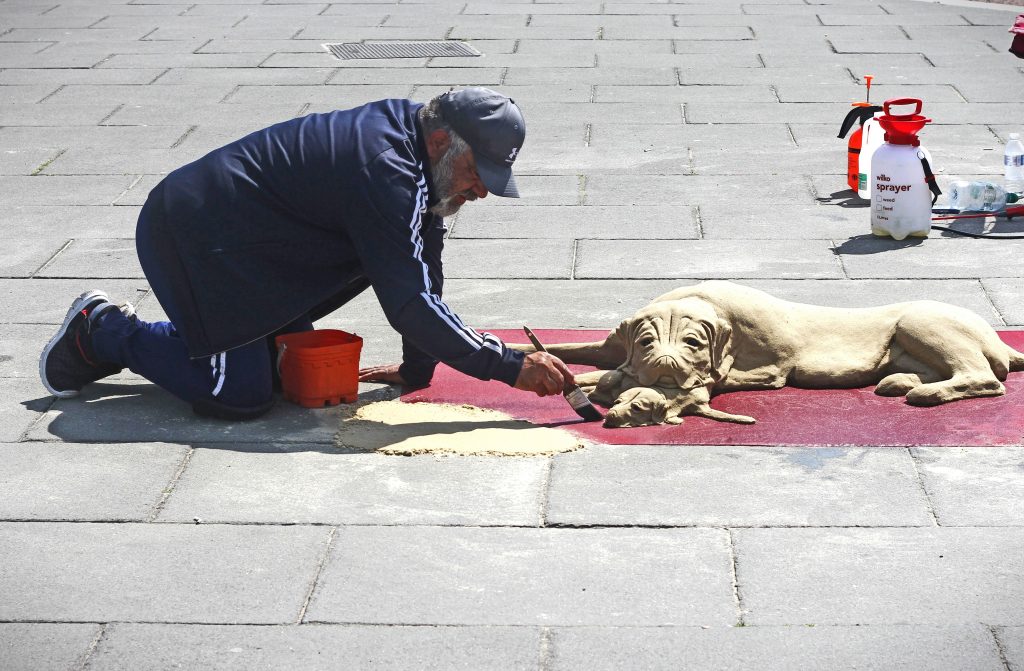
<point>319,367</point>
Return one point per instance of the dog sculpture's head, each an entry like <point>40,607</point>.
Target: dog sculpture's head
<point>639,406</point>
<point>675,344</point>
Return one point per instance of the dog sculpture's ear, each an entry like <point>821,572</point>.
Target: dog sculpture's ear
<point>719,334</point>
<point>625,334</point>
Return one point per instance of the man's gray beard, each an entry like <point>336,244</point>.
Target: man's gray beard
<point>442,171</point>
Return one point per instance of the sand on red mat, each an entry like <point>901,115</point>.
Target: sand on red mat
<point>786,416</point>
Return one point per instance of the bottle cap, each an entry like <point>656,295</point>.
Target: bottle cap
<point>1012,197</point>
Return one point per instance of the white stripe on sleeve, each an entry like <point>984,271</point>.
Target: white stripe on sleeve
<point>471,337</point>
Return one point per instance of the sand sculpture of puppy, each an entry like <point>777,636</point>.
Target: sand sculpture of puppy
<point>672,356</point>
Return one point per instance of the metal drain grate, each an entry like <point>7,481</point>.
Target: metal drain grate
<point>352,50</point>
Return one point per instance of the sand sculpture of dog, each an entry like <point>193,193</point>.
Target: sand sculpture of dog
<point>672,356</point>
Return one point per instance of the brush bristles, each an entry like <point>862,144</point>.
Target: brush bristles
<point>582,405</point>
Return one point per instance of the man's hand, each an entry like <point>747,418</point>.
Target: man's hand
<point>543,374</point>
<point>388,374</point>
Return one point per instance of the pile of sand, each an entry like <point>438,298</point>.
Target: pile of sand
<point>396,427</point>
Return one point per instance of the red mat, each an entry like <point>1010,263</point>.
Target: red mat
<point>785,416</point>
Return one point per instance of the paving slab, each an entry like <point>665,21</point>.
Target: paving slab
<point>879,19</point>
<point>473,576</point>
<point>524,96</point>
<point>185,60</point>
<point>137,411</point>
<point>1012,639</point>
<point>535,190</point>
<point>683,58</point>
<point>64,190</point>
<point>96,34</point>
<point>675,93</point>
<point>116,161</point>
<point>691,189</point>
<point>96,137</point>
<point>280,30</point>
<point>606,74</point>
<point>748,219</point>
<point>968,646</point>
<point>20,346</point>
<point>869,256</point>
<point>760,113</point>
<point>604,303</point>
<point>226,574</point>
<point>475,32</point>
<point>28,93</point>
<point>965,48</point>
<point>24,161</point>
<point>846,93</point>
<point>214,114</point>
<point>45,481</point>
<point>411,76</point>
<point>932,575</point>
<point>492,304</point>
<point>651,222</point>
<point>72,221</point>
<point>32,114</point>
<point>289,484</point>
<point>31,647</point>
<point>1007,294</point>
<point>250,76</point>
<point>24,256</point>
<point>970,487</point>
<point>668,135</point>
<point>736,486</point>
<point>995,75</point>
<point>52,58</point>
<point>37,301</point>
<point>975,113</point>
<point>336,31</point>
<point>508,259</point>
<point>693,74</point>
<point>575,160</point>
<point>22,402</point>
<point>95,258</point>
<point>136,94</point>
<point>601,47</point>
<point>706,259</point>
<point>868,293</point>
<point>338,97</point>
<point>614,31</point>
<point>313,647</point>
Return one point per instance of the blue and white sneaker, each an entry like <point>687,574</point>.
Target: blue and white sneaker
<point>68,361</point>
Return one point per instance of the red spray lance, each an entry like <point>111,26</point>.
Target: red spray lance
<point>861,112</point>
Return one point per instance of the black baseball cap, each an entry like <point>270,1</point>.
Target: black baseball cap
<point>493,127</point>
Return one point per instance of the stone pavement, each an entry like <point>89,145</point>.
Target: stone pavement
<point>668,142</point>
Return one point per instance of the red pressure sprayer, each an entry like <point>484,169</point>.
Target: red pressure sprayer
<point>861,112</point>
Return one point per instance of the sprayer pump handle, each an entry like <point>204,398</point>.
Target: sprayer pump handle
<point>902,101</point>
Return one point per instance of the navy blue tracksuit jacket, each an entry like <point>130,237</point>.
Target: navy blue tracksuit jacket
<point>297,219</point>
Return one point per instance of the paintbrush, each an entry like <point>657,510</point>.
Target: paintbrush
<point>572,393</point>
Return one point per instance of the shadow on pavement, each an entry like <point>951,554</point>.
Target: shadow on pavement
<point>861,245</point>
<point>139,412</point>
<point>846,198</point>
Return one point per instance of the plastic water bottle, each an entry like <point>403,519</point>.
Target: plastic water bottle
<point>979,196</point>
<point>1013,163</point>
